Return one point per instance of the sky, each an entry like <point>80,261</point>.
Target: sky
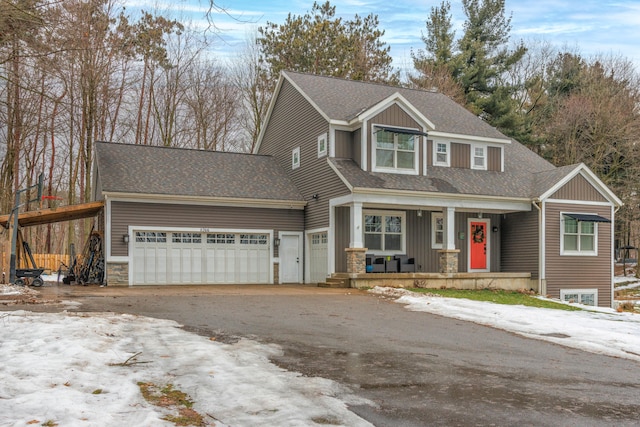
<point>590,27</point>
<point>83,369</point>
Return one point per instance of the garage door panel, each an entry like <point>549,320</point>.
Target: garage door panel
<point>185,258</point>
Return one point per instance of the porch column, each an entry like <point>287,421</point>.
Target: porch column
<point>356,260</point>
<point>355,233</point>
<point>449,253</point>
<point>449,224</point>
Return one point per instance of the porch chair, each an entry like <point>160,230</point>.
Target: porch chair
<point>376,263</point>
<point>407,265</point>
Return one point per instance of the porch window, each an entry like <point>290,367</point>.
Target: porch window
<point>479,157</point>
<point>578,237</point>
<point>441,154</point>
<point>580,296</point>
<point>437,230</point>
<point>395,151</point>
<point>384,232</point>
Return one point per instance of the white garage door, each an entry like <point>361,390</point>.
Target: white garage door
<point>318,257</point>
<point>200,258</point>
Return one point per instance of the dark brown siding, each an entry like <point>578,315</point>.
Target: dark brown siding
<point>295,123</point>
<point>460,155</point>
<point>520,237</point>
<point>342,237</point>
<point>344,144</point>
<point>392,116</point>
<point>494,159</point>
<point>578,272</point>
<point>429,152</point>
<point>578,189</point>
<point>124,214</point>
<point>357,147</point>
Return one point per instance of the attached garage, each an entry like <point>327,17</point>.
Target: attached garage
<point>179,257</point>
<point>166,224</point>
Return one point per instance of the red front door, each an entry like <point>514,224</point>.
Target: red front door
<point>478,252</point>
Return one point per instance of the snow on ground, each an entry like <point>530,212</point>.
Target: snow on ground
<point>69,369</point>
<point>596,329</point>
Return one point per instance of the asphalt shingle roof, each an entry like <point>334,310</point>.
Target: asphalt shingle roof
<point>525,175</point>
<point>144,169</point>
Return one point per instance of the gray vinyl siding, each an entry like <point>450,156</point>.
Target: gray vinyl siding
<point>578,189</point>
<point>494,159</point>
<point>344,144</point>
<point>342,235</point>
<point>418,240</point>
<point>460,155</point>
<point>578,272</point>
<point>124,214</point>
<point>357,147</point>
<point>296,123</point>
<point>392,116</point>
<point>520,237</point>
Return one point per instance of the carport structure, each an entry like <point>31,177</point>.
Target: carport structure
<point>48,216</point>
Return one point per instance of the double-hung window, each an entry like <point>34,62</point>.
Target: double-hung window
<point>441,154</point>
<point>395,151</point>
<point>478,157</point>
<point>578,237</point>
<point>384,231</point>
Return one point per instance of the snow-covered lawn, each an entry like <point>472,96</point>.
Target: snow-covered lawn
<point>71,369</point>
<point>598,330</point>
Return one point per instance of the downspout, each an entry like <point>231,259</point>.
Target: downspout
<point>540,251</point>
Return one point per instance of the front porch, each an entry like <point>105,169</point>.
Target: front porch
<point>490,280</point>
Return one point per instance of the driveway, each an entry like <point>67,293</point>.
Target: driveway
<point>419,369</point>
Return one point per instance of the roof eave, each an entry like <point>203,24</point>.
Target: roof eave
<point>206,200</point>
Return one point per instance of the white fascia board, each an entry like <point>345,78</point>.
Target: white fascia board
<point>210,201</point>
<point>591,177</point>
<point>423,199</point>
<point>454,137</point>
<point>396,98</point>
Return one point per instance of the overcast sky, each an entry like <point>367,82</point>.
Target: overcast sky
<point>590,26</point>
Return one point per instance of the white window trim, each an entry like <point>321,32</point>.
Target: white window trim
<point>295,154</point>
<point>322,141</point>
<point>403,233</point>
<point>446,163</point>
<point>473,156</point>
<point>564,252</point>
<point>592,291</point>
<point>434,217</point>
<point>374,149</point>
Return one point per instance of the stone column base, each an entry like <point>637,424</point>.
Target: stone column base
<point>117,273</point>
<point>449,260</point>
<point>356,260</point>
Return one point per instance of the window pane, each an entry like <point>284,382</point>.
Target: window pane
<point>571,297</point>
<point>392,242</point>
<point>586,243</point>
<point>587,227</point>
<point>570,242</point>
<point>441,158</point>
<point>570,225</point>
<point>587,299</point>
<point>478,161</point>
<point>373,224</point>
<point>384,140</point>
<point>441,148</point>
<point>439,237</point>
<point>384,158</point>
<point>393,224</point>
<point>405,142</point>
<point>373,241</point>
<point>405,160</point>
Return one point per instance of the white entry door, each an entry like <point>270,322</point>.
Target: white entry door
<point>318,259</point>
<point>290,258</point>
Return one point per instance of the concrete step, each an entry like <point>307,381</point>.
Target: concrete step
<point>335,282</point>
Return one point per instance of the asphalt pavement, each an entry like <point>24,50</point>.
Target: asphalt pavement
<point>418,369</point>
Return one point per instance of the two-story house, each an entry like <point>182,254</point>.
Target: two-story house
<point>344,170</point>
